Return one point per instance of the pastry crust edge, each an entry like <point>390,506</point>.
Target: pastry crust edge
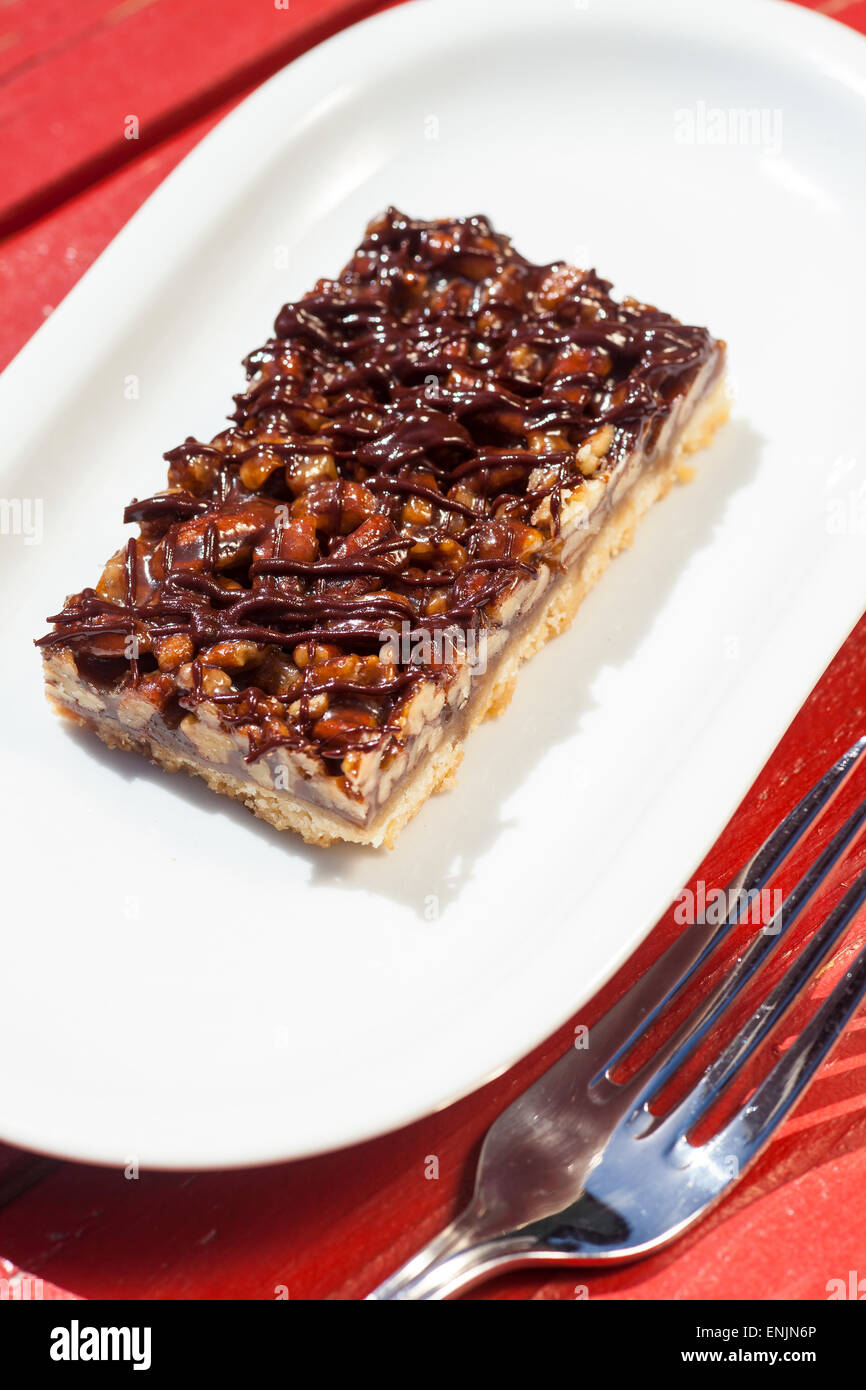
<point>316,825</point>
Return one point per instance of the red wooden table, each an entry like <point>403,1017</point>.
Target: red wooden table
<point>70,76</point>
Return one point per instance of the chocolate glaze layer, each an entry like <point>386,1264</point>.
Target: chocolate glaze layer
<point>401,453</point>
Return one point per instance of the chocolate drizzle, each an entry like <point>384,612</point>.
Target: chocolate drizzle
<point>401,454</point>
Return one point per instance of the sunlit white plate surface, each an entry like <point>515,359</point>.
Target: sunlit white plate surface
<point>181,984</point>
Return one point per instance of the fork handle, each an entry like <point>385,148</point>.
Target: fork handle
<point>441,1270</point>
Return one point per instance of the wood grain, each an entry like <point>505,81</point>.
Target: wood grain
<point>72,76</point>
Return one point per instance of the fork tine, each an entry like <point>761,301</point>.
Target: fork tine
<point>640,1006</point>
<point>695,1104</point>
<point>779,844</point>
<point>659,1068</point>
<point>750,1129</point>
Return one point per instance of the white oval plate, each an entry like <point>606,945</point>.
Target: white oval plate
<point>182,984</point>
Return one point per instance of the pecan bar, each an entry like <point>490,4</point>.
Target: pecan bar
<point>434,459</point>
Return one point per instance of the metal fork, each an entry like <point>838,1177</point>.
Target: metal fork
<point>578,1170</point>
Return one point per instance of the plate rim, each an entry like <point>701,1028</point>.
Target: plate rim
<point>828,41</point>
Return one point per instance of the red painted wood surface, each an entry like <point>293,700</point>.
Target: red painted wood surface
<point>332,1226</point>
<point>87,86</point>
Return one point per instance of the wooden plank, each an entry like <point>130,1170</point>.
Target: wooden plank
<point>20,1170</point>
<point>19,1286</point>
<point>65,107</point>
<point>41,262</point>
<point>34,33</point>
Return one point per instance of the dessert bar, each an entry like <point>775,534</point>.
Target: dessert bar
<point>434,458</point>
